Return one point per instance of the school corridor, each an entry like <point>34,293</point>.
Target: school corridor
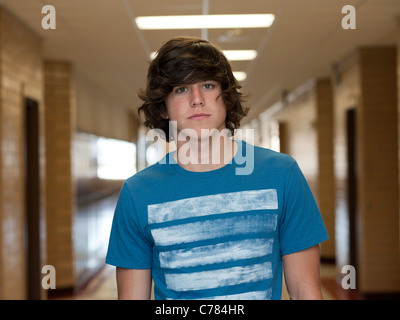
<point>103,287</point>
<point>322,78</point>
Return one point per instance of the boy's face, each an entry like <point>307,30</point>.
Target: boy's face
<point>197,106</point>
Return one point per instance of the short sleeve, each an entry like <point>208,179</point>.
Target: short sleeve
<point>301,225</point>
<point>128,246</point>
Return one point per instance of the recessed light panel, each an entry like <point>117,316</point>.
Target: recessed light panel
<point>218,21</point>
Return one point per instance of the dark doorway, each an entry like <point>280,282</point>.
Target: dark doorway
<point>32,198</point>
<point>352,184</point>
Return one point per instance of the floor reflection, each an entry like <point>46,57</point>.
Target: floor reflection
<point>92,227</point>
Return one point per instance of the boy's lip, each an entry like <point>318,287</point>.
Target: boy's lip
<point>199,116</point>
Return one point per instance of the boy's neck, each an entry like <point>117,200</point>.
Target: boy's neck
<point>205,154</point>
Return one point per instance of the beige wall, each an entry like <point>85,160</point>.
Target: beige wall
<point>100,113</point>
<point>313,131</point>
<point>60,188</point>
<point>378,167</point>
<point>21,75</point>
<point>298,135</point>
<point>306,132</point>
<point>346,96</point>
<point>368,83</point>
<point>24,74</point>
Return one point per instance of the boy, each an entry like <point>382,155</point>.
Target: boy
<point>193,223</point>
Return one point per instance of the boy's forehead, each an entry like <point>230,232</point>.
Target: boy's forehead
<point>197,82</point>
<point>195,76</point>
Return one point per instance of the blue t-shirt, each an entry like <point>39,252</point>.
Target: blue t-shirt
<point>215,234</point>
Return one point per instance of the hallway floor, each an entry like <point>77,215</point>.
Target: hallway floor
<point>103,286</point>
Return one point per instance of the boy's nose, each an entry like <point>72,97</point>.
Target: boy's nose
<point>196,97</point>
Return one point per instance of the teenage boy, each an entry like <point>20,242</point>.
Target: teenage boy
<point>198,227</point>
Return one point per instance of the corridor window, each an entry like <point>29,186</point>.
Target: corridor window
<point>116,159</point>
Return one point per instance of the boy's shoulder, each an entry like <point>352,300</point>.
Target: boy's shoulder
<point>151,173</point>
<point>273,158</point>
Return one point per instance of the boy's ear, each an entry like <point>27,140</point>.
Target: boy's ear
<point>164,113</point>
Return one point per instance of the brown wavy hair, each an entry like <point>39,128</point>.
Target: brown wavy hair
<point>188,60</point>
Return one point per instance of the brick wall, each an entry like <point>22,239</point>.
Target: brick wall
<point>346,96</point>
<point>378,168</point>
<point>21,75</point>
<point>306,134</point>
<point>60,191</point>
<point>368,84</point>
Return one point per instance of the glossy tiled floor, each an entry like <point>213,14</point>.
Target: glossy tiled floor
<point>103,286</point>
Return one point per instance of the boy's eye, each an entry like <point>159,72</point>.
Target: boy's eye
<point>208,86</point>
<point>181,90</point>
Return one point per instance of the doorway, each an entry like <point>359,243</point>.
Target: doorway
<point>32,199</point>
<point>352,184</point>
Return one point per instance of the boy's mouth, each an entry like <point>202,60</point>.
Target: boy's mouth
<point>199,116</point>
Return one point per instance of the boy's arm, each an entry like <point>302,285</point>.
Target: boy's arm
<point>302,274</point>
<point>133,284</point>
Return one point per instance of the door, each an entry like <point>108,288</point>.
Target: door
<point>352,184</point>
<point>32,199</point>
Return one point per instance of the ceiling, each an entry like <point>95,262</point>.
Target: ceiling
<point>103,43</point>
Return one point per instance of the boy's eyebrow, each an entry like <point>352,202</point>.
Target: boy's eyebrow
<point>190,83</point>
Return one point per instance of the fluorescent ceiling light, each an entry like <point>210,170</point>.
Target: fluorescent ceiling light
<point>240,55</point>
<point>217,21</point>
<point>232,55</point>
<point>240,75</point>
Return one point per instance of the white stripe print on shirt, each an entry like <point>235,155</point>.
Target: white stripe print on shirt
<point>213,204</point>
<point>237,237</point>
